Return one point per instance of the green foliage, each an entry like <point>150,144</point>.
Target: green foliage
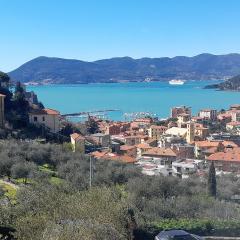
<point>212,183</point>
<point>4,79</point>
<point>96,214</point>
<point>92,126</point>
<point>198,226</point>
<point>57,198</point>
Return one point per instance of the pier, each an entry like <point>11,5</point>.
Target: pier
<point>89,113</point>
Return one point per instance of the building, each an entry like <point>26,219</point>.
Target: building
<point>209,114</point>
<point>130,151</point>
<point>142,148</point>
<point>235,114</point>
<point>165,155</point>
<point>205,148</point>
<point>141,122</point>
<point>176,131</point>
<point>175,111</point>
<point>134,139</point>
<point>2,111</point>
<point>235,107</point>
<point>187,167</point>
<point>227,160</point>
<point>155,132</point>
<point>224,117</point>
<point>183,151</point>
<point>201,133</point>
<point>78,142</point>
<point>232,125</point>
<point>183,119</point>
<point>105,155</point>
<point>101,139</point>
<point>115,128</point>
<point>190,132</point>
<point>167,140</point>
<point>47,117</point>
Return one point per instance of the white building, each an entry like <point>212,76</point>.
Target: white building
<point>48,118</point>
<point>210,114</point>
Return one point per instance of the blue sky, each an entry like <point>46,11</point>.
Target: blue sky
<point>96,29</point>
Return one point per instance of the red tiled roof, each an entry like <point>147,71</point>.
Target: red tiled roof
<point>234,123</point>
<point>113,157</point>
<point>143,146</point>
<point>159,127</point>
<point>76,136</point>
<point>45,111</point>
<point>126,147</point>
<point>156,151</point>
<point>231,155</point>
<point>207,143</point>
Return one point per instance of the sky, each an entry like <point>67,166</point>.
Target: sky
<point>96,29</point>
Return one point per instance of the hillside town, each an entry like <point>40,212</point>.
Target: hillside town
<point>181,145</point>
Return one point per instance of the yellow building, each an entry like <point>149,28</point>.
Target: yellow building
<point>156,132</point>
<point>2,110</point>
<point>78,142</point>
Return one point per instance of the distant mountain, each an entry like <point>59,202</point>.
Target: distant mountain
<point>231,84</point>
<point>57,70</point>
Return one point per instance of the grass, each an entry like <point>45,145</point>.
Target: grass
<point>47,169</point>
<point>56,180</point>
<point>10,191</point>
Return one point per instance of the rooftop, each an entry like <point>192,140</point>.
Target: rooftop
<point>76,136</point>
<point>45,111</point>
<point>156,151</point>
<point>231,155</point>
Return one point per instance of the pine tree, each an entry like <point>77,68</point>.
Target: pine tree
<point>212,183</point>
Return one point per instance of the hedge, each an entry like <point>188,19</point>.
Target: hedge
<point>203,227</point>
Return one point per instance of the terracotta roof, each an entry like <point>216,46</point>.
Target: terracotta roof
<point>76,136</point>
<point>159,127</point>
<point>231,155</point>
<point>125,159</point>
<point>234,123</point>
<point>143,146</point>
<point>126,147</point>
<point>113,157</point>
<point>98,154</point>
<point>207,143</point>
<point>45,111</point>
<point>151,140</point>
<point>156,151</point>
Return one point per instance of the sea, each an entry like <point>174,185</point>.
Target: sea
<point>128,100</point>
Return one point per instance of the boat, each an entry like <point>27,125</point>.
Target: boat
<point>176,82</point>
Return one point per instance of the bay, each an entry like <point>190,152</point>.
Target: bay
<point>154,97</point>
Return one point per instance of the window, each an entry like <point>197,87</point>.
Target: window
<point>35,119</point>
<point>43,118</point>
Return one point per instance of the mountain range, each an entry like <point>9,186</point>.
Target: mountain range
<point>62,71</point>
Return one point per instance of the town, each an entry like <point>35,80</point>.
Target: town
<point>181,145</point>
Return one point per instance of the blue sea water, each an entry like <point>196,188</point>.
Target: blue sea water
<point>154,97</point>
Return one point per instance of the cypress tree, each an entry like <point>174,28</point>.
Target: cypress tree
<point>212,183</point>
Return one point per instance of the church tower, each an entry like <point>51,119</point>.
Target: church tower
<point>190,132</point>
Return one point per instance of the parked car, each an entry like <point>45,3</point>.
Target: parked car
<point>177,235</point>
